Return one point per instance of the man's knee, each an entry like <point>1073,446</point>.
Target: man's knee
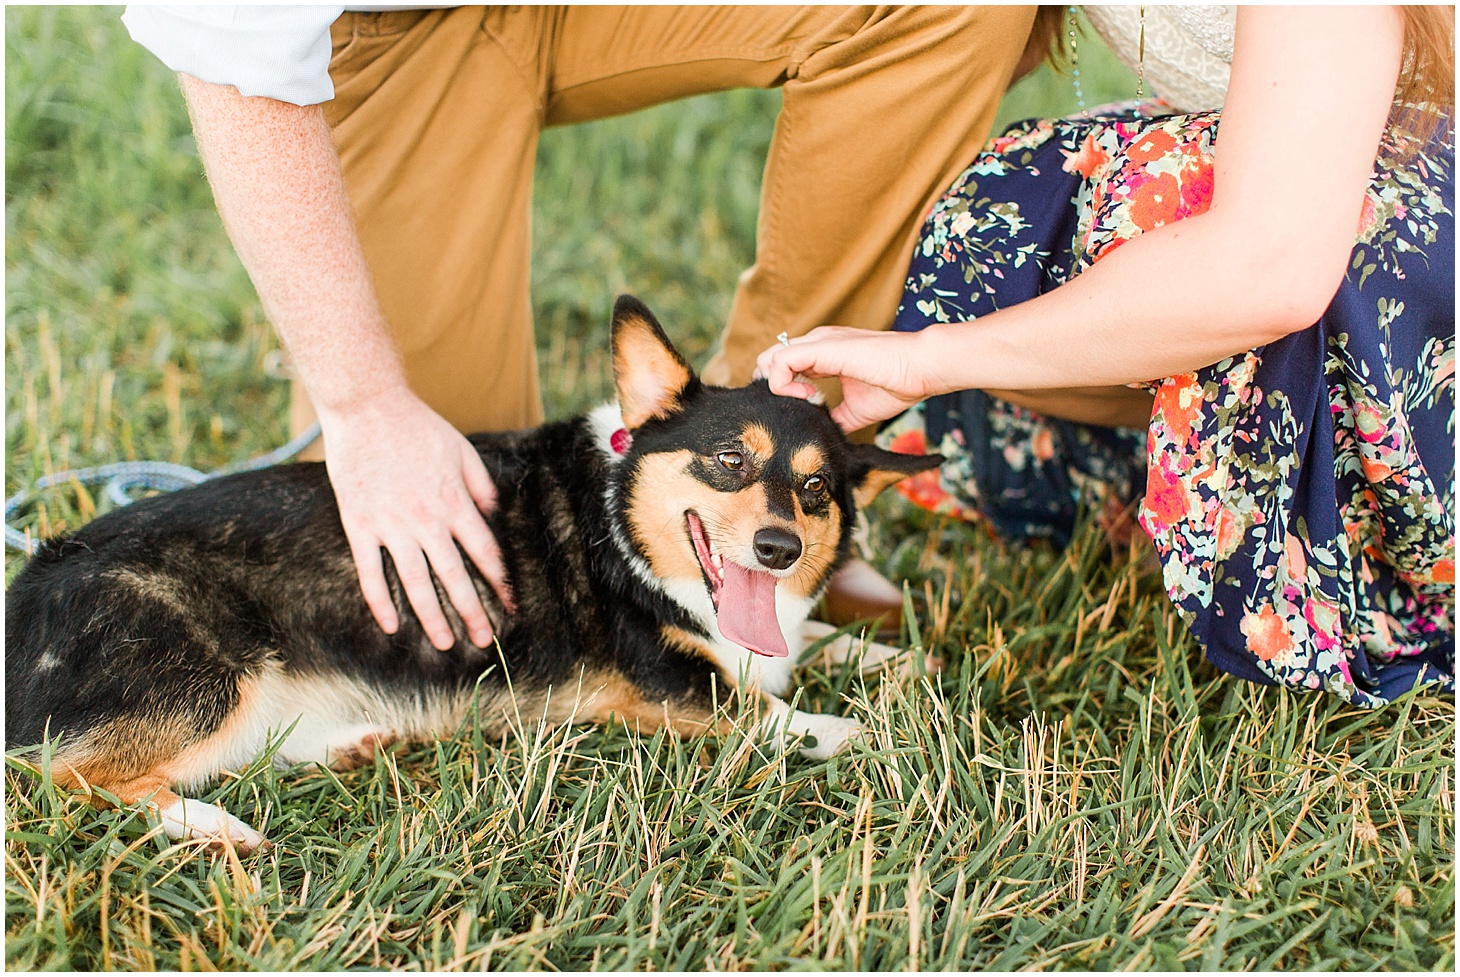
<point>961,38</point>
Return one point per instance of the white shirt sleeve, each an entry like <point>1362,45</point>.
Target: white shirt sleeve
<point>281,52</point>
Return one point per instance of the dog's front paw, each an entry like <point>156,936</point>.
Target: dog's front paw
<point>189,820</point>
<point>832,734</point>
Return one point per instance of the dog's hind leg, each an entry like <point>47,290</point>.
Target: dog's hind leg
<point>182,818</point>
<point>140,758</point>
<point>186,819</point>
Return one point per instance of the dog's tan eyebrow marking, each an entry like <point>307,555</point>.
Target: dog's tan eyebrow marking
<point>807,461</point>
<point>759,441</point>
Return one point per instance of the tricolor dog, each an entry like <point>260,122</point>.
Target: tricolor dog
<point>663,552</point>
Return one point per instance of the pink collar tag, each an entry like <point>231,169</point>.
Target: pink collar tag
<point>620,441</point>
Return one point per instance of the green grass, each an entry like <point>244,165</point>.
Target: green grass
<point>1076,790</point>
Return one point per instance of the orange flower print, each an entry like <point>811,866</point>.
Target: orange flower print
<point>1297,559</point>
<point>1166,497</point>
<point>909,442</point>
<point>1152,146</point>
<point>1178,402</point>
<point>1267,634</point>
<point>1196,188</point>
<point>1443,571</point>
<point>1375,470</point>
<point>1043,446</point>
<point>1228,535</point>
<point>923,490</point>
<point>1155,202</point>
<point>1368,218</point>
<point>1087,159</point>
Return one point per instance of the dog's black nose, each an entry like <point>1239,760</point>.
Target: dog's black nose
<point>776,549</point>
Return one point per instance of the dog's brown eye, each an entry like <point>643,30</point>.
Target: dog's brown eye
<point>732,460</point>
<point>814,484</point>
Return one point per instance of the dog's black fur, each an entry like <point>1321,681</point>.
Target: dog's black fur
<point>140,639</point>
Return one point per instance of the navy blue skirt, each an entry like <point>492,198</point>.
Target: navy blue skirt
<point>1300,496</point>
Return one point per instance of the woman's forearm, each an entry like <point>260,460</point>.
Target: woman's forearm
<point>1165,303</point>
<point>1295,153</point>
<point>1102,406</point>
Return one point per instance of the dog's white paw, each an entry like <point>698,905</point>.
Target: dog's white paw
<point>785,725</point>
<point>189,820</point>
<point>832,733</point>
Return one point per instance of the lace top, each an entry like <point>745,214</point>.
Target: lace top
<point>1188,49</point>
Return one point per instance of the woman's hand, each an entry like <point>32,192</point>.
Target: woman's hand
<point>882,373</point>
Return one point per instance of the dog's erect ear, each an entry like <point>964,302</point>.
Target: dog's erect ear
<point>648,372</point>
<point>873,469</point>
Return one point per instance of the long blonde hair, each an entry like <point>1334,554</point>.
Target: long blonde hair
<point>1424,98</point>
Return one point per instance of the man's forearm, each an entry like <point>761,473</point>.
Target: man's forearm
<point>277,183</point>
<point>406,482</point>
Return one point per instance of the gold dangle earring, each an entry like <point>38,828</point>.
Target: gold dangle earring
<point>1075,60</point>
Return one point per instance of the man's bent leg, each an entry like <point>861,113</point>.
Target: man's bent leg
<point>436,122</point>
<point>872,130</point>
<point>608,60</point>
<point>436,118</point>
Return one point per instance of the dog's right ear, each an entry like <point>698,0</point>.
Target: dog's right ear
<point>648,372</point>
<point>874,469</point>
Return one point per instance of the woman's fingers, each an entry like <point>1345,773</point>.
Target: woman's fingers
<point>847,418</point>
<point>787,368</point>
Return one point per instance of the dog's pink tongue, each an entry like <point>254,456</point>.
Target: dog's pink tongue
<point>747,613</point>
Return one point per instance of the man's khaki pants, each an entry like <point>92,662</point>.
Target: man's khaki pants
<point>436,117</point>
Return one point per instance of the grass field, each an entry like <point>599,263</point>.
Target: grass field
<point>1076,790</point>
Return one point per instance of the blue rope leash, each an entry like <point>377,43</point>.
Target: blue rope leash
<point>123,477</point>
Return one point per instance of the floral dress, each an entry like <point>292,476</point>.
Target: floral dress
<point>1301,495</point>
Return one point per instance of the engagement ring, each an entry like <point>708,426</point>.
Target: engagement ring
<point>784,340</point>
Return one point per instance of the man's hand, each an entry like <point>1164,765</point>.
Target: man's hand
<point>406,480</point>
